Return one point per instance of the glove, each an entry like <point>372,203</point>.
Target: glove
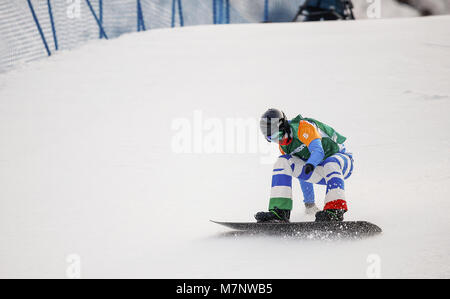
<point>308,168</point>
<point>307,171</point>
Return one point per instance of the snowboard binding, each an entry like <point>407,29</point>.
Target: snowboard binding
<point>274,215</point>
<point>330,215</point>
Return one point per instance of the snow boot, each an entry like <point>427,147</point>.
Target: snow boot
<point>330,215</point>
<point>274,215</point>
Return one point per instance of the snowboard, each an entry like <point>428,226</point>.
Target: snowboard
<point>308,229</point>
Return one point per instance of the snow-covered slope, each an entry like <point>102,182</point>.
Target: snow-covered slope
<point>88,164</point>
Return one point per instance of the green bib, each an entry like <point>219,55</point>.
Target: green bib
<point>331,139</point>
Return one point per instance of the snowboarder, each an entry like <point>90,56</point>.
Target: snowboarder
<point>314,153</point>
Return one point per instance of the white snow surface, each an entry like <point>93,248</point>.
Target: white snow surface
<point>87,165</point>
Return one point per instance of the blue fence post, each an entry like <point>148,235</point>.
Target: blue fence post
<point>214,7</point>
<point>140,17</point>
<point>227,11</point>
<point>180,12</point>
<point>266,11</point>
<point>100,16</point>
<point>220,17</point>
<point>52,22</point>
<point>102,31</point>
<point>30,5</point>
<point>173,14</point>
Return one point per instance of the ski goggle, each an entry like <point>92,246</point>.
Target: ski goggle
<point>275,137</point>
<point>274,129</point>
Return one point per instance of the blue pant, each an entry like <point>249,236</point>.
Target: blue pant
<point>331,172</point>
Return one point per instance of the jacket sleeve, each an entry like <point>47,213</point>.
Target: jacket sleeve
<point>308,134</point>
<point>317,152</point>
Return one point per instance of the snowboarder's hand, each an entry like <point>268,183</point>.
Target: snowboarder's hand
<point>308,168</point>
<point>307,171</point>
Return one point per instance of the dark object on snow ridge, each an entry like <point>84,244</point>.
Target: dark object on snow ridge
<point>325,10</point>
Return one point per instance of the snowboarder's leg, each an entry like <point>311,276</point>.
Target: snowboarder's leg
<point>308,192</point>
<point>281,191</point>
<point>334,170</point>
<point>280,204</point>
<point>308,197</point>
<point>331,172</point>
